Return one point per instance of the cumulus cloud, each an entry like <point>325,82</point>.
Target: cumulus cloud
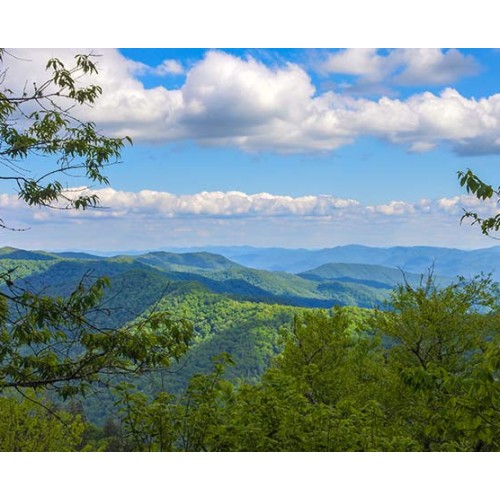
<point>402,66</point>
<point>229,218</point>
<point>359,62</point>
<point>236,204</point>
<point>244,103</point>
<point>168,67</point>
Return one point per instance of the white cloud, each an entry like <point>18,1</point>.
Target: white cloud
<point>236,204</point>
<point>434,66</point>
<point>402,66</point>
<point>394,208</point>
<point>366,63</point>
<point>227,100</point>
<point>229,218</point>
<point>421,147</point>
<point>169,67</point>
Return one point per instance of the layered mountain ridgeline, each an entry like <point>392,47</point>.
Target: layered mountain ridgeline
<point>366,274</point>
<point>162,271</point>
<point>199,285</point>
<point>419,259</point>
<point>138,281</point>
<point>348,378</point>
<point>234,309</point>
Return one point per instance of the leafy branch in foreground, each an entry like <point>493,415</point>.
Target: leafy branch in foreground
<point>40,123</point>
<point>50,343</point>
<point>482,191</point>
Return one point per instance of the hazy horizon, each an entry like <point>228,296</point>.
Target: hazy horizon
<point>184,249</point>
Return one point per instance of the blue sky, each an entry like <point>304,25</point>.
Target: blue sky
<point>281,147</point>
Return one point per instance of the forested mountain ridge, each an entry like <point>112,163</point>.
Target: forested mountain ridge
<point>58,274</point>
<point>322,380</point>
<point>417,259</point>
<point>251,333</point>
<point>364,285</point>
<point>187,261</point>
<point>263,374</point>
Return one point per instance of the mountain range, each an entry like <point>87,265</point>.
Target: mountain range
<point>417,259</point>
<point>235,308</point>
<point>350,275</point>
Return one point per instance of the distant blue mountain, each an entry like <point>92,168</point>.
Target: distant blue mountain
<point>364,274</point>
<point>419,259</point>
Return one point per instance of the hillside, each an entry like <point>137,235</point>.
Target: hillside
<point>59,274</point>
<point>250,332</point>
<point>18,254</point>
<point>363,285</point>
<point>182,262</point>
<point>234,309</point>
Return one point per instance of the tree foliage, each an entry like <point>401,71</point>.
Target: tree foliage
<point>482,191</point>
<point>50,342</point>
<point>421,376</point>
<point>33,425</point>
<point>40,122</point>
